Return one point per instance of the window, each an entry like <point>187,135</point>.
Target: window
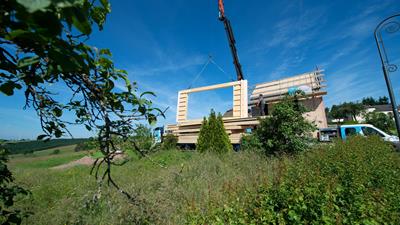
<point>369,131</point>
<point>350,131</point>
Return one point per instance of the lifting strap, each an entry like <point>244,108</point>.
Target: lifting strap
<point>209,60</point>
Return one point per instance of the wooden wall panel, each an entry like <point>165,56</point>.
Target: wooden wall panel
<point>239,99</point>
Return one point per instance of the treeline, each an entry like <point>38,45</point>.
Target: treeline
<point>352,112</point>
<point>32,146</point>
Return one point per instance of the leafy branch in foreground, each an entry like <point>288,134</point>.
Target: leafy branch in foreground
<point>44,53</point>
<point>8,193</point>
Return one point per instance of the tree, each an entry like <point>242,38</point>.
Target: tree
<point>352,109</point>
<point>337,112</point>
<point>204,136</point>
<point>368,101</point>
<point>381,121</point>
<point>143,138</point>
<point>43,49</point>
<point>286,130</point>
<point>383,100</point>
<point>212,135</point>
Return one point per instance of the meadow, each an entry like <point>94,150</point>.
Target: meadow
<point>342,183</point>
<point>167,186</point>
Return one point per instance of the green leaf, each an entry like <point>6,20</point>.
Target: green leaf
<point>152,119</point>
<point>67,3</point>
<point>41,137</point>
<point>8,88</point>
<point>105,52</point>
<point>57,112</point>
<point>88,127</point>
<point>58,133</point>
<point>27,61</point>
<point>80,21</point>
<point>16,33</point>
<point>34,5</point>
<point>105,3</point>
<point>148,93</point>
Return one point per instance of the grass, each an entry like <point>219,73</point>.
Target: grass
<point>179,187</point>
<point>45,158</point>
<point>166,195</point>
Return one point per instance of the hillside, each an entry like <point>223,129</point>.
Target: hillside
<point>32,146</point>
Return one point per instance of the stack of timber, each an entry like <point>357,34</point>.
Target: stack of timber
<point>311,83</point>
<point>188,131</point>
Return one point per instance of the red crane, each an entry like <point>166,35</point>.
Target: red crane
<point>231,39</point>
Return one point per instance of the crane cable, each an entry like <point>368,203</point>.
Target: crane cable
<point>223,71</point>
<point>201,71</point>
<point>209,60</point>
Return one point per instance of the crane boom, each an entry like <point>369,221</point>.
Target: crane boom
<point>231,39</point>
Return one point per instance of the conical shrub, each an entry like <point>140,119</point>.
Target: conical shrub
<point>212,136</point>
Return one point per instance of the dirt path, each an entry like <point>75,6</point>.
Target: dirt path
<point>86,160</point>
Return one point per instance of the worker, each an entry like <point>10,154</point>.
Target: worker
<point>261,104</point>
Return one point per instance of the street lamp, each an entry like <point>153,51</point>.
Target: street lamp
<point>389,25</point>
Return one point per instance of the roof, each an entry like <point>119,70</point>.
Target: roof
<point>382,108</point>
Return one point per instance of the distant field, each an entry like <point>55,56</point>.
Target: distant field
<point>46,158</point>
<point>32,146</point>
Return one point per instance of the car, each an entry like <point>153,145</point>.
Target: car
<point>344,131</point>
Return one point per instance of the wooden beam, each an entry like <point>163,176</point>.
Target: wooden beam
<point>211,87</point>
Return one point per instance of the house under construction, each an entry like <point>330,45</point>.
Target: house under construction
<point>245,114</point>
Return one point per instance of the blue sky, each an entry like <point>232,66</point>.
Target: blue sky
<point>164,44</point>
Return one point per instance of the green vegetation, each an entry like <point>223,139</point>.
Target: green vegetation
<point>212,135</point>
<point>47,158</point>
<point>9,191</point>
<point>346,110</point>
<point>286,130</point>
<point>36,39</point>
<point>349,182</point>
<point>353,182</point>
<point>32,146</point>
<point>89,144</point>
<point>251,142</point>
<point>381,121</point>
<point>166,194</point>
<point>372,101</point>
<point>143,139</point>
<point>170,142</point>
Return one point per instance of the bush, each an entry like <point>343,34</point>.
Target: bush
<point>87,145</point>
<point>352,182</point>
<point>144,140</point>
<point>251,142</point>
<point>212,135</point>
<point>286,130</point>
<point>170,141</point>
<point>381,121</point>
<point>56,151</point>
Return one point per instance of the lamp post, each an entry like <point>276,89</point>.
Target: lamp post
<point>389,25</point>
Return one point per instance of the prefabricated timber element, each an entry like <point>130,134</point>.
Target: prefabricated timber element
<point>311,83</point>
<point>239,99</point>
<point>188,132</point>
